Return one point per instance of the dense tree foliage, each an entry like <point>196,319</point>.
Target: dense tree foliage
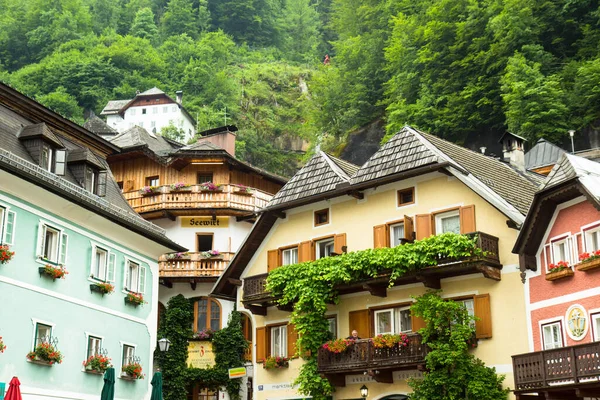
<point>466,70</point>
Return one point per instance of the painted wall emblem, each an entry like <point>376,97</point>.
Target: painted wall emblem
<point>577,322</point>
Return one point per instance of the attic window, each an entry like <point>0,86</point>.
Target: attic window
<point>53,160</point>
<point>95,181</point>
<point>322,217</point>
<point>143,111</point>
<point>406,196</point>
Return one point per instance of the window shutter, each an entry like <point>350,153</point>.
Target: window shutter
<point>467,219</point>
<point>339,243</point>
<point>40,242</point>
<point>94,255</point>
<point>292,336</point>
<point>273,260</point>
<point>417,322</point>
<point>360,321</point>
<point>142,285</point>
<point>409,228</point>
<point>63,248</point>
<point>305,252</point>
<point>9,228</point>
<point>110,273</point>
<point>381,236</point>
<point>423,226</point>
<point>101,189</point>
<point>126,283</point>
<point>60,161</point>
<point>261,344</point>
<point>483,327</point>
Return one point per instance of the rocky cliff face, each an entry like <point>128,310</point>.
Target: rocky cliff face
<point>363,142</point>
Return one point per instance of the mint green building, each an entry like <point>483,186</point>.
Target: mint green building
<point>62,213</point>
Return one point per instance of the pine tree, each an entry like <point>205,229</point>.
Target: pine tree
<point>143,25</point>
<point>179,18</point>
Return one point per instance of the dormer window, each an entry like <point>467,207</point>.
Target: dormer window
<point>46,157</point>
<point>45,148</point>
<point>90,179</point>
<point>89,171</point>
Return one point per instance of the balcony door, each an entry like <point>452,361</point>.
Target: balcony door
<point>204,241</point>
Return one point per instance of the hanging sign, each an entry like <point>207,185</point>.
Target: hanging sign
<point>237,372</point>
<point>204,222</point>
<point>200,354</point>
<point>577,322</point>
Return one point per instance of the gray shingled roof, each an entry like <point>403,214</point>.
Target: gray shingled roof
<point>151,92</point>
<point>39,130</point>
<point>114,106</point>
<point>542,154</point>
<point>99,127</point>
<point>203,146</point>
<point>138,136</point>
<point>84,155</point>
<point>318,176</point>
<point>349,168</point>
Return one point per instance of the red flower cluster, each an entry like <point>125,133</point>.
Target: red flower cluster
<point>5,254</point>
<point>584,257</point>
<point>55,272</point>
<point>45,352</point>
<point>338,345</point>
<point>276,362</point>
<point>136,298</point>
<point>106,287</point>
<point>134,370</point>
<point>97,363</point>
<point>559,266</point>
<point>389,340</point>
<point>2,345</point>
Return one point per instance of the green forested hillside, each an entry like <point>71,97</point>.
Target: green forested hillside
<point>463,69</point>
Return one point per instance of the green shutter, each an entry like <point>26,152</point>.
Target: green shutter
<point>9,228</point>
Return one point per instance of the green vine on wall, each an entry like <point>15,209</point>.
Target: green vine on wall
<point>229,346</point>
<point>310,287</point>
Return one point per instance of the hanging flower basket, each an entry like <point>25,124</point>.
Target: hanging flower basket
<point>210,187</point>
<point>180,187</point>
<point>132,371</point>
<point>150,190</point>
<point>338,345</point>
<point>389,340</point>
<point>97,364</point>
<point>102,288</point>
<point>45,353</point>
<point>5,254</point>
<point>558,271</point>
<point>53,272</point>
<point>589,261</point>
<point>2,345</point>
<point>205,334</point>
<point>276,362</point>
<point>136,299</point>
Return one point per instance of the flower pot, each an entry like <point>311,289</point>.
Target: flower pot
<point>89,370</point>
<point>588,265</point>
<point>38,361</point>
<point>127,377</point>
<point>552,276</point>
<point>244,193</point>
<point>133,303</point>
<point>150,194</point>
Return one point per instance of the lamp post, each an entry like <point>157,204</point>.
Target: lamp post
<point>572,133</point>
<point>364,391</point>
<point>163,345</point>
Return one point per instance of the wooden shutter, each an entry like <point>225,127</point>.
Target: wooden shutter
<point>101,188</point>
<point>423,226</point>
<point>467,219</point>
<point>381,236</point>
<point>360,321</point>
<point>417,322</point>
<point>273,260</point>
<point>261,343</point>
<point>409,228</point>
<point>129,185</point>
<point>292,336</point>
<point>305,252</point>
<point>339,242</point>
<point>483,327</point>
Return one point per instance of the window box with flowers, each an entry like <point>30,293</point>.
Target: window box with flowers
<point>53,272</point>
<point>102,288</point>
<point>276,362</point>
<point>205,334</point>
<point>589,261</point>
<point>211,254</point>
<point>2,345</point>
<point>45,354</point>
<point>178,256</point>
<point>244,190</point>
<point>97,364</point>
<point>211,187</point>
<point>559,270</point>
<point>150,190</point>
<point>132,371</point>
<point>338,346</point>
<point>135,299</point>
<point>180,187</point>
<point>5,254</point>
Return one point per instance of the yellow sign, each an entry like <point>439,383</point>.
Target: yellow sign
<point>200,354</point>
<point>237,372</point>
<point>204,222</point>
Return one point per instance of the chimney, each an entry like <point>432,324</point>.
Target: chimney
<point>179,98</point>
<point>513,150</point>
<point>223,137</point>
<point>483,148</point>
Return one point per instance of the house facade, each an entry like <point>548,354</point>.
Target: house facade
<point>415,186</point>
<point>66,232</point>
<point>557,247</point>
<point>151,110</point>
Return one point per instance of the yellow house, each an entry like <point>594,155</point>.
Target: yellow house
<point>415,186</point>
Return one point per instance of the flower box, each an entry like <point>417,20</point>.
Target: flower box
<point>135,299</point>
<point>588,265</point>
<point>276,362</point>
<point>150,191</point>
<point>552,276</point>
<point>210,187</point>
<point>53,272</point>
<point>102,288</point>
<point>45,354</point>
<point>93,372</point>
<point>180,187</point>
<point>96,364</point>
<point>132,371</point>
<point>42,362</point>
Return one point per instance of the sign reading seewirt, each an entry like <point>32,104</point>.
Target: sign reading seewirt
<point>204,222</point>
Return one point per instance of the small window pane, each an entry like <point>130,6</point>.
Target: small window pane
<point>451,224</point>
<point>128,354</point>
<point>552,336</point>
<point>50,250</point>
<point>215,316</point>
<point>202,311</point>
<point>397,233</point>
<point>324,248</point>
<point>383,322</point>
<point>43,334</point>
<point>290,256</point>
<point>94,346</point>
<point>404,321</point>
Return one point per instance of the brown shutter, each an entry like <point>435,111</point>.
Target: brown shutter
<point>273,260</point>
<point>483,327</point>
<point>292,336</point>
<point>467,219</point>
<point>423,226</point>
<point>128,186</point>
<point>409,228</point>
<point>417,322</point>
<point>339,242</point>
<point>261,343</point>
<point>381,236</point>
<point>360,321</point>
<point>305,251</point>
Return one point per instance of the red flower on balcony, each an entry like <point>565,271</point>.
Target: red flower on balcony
<point>559,266</point>
<point>338,345</point>
<point>5,254</point>
<point>389,340</point>
<point>585,257</point>
<point>276,362</point>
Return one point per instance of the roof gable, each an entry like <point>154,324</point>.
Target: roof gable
<point>138,136</point>
<point>542,154</point>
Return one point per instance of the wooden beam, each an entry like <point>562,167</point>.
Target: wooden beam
<point>431,282</point>
<point>490,272</point>
<point>257,310</point>
<point>382,376</point>
<point>169,215</point>
<point>379,290</point>
<point>193,284</point>
<point>166,283</point>
<point>357,195</point>
<point>279,214</point>
<point>588,392</point>
<point>529,396</point>
<point>286,307</point>
<point>234,282</point>
<point>336,380</point>
<point>560,395</point>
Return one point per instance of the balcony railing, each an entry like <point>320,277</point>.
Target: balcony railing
<point>364,356</point>
<point>193,265</point>
<point>489,264</point>
<point>193,197</point>
<point>564,367</point>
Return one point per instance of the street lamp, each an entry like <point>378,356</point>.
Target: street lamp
<point>572,133</point>
<point>364,391</point>
<point>163,344</point>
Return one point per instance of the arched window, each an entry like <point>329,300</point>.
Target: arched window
<point>207,314</point>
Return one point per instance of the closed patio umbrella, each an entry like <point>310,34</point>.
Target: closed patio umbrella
<point>156,387</point>
<point>108,390</point>
<point>14,393</point>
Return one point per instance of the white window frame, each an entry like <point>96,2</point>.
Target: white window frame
<point>48,166</point>
<point>7,216</point>
<point>110,264</point>
<point>122,354</point>
<point>392,237</point>
<point>333,331</point>
<point>560,325</point>
<point>568,250</point>
<point>61,247</point>
<point>389,311</point>
<point>283,340</point>
<point>588,232</point>
<point>90,179</point>
<point>292,254</point>
<point>140,285</point>
<point>595,323</point>
<point>35,323</point>
<point>392,311</point>
<point>89,336</point>
<point>330,242</point>
<point>441,216</point>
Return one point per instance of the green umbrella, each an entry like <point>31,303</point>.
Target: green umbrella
<point>108,390</point>
<point>156,387</point>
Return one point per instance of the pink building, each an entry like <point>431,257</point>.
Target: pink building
<point>561,273</point>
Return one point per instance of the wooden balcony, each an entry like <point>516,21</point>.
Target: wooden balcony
<point>228,200</point>
<point>362,357</point>
<point>257,299</point>
<point>568,373</point>
<point>191,267</point>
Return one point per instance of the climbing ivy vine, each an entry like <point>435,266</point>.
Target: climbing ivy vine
<point>310,287</point>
